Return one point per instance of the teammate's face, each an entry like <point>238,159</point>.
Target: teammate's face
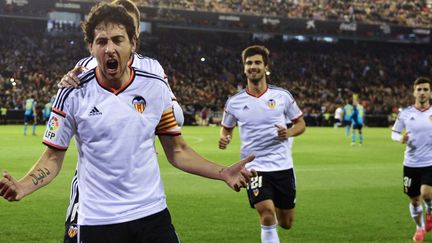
<point>422,93</point>
<point>254,68</point>
<point>112,49</point>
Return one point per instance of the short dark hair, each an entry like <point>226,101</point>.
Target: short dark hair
<point>256,50</point>
<point>130,6</point>
<point>108,13</point>
<point>422,80</point>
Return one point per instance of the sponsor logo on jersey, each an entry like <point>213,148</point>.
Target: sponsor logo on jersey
<point>255,192</point>
<point>139,103</point>
<point>271,103</point>
<point>72,231</point>
<point>95,112</point>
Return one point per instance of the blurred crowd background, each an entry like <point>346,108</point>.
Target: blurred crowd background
<point>204,68</point>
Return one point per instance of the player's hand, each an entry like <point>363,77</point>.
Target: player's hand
<point>10,188</point>
<point>224,141</point>
<point>282,132</point>
<point>236,176</point>
<point>405,138</point>
<point>71,78</point>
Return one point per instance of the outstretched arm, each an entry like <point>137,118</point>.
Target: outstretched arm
<point>41,174</point>
<point>183,157</point>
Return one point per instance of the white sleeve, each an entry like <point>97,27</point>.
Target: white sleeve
<point>292,110</point>
<point>396,136</point>
<point>61,125</point>
<point>228,119</point>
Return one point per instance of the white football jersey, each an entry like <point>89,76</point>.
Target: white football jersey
<point>118,173</point>
<point>418,125</point>
<point>256,118</point>
<point>145,64</point>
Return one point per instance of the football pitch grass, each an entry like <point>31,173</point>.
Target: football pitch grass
<point>344,193</point>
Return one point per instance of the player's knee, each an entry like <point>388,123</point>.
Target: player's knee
<point>268,217</point>
<point>286,224</point>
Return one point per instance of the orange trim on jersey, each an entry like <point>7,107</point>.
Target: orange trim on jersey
<point>227,127</point>
<point>59,112</point>
<point>256,96</point>
<point>113,90</point>
<point>297,117</point>
<point>54,146</point>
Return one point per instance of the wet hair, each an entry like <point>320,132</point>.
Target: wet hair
<point>107,13</point>
<point>422,80</point>
<point>256,50</point>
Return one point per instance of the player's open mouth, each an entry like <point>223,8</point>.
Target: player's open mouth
<point>112,66</point>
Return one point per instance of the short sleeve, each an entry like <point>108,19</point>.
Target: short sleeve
<point>228,119</point>
<point>167,124</point>
<point>399,125</point>
<point>292,111</point>
<point>61,125</point>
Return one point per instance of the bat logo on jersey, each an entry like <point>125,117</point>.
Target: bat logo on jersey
<point>139,103</point>
<point>255,192</point>
<point>271,103</point>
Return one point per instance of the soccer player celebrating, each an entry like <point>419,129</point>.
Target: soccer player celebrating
<point>347,112</point>
<point>114,116</point>
<point>417,122</point>
<point>30,114</point>
<point>145,64</point>
<point>263,113</point>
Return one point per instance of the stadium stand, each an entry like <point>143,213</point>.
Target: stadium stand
<point>204,68</point>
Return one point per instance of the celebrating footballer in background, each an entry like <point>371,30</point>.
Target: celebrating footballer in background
<point>413,127</point>
<point>264,114</point>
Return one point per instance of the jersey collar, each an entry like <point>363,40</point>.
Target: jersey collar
<point>256,96</point>
<point>112,90</point>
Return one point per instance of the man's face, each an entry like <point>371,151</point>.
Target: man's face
<point>422,93</point>
<point>254,68</point>
<point>112,49</point>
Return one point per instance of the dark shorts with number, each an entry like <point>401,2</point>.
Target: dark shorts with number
<point>156,228</point>
<point>414,178</point>
<point>278,186</point>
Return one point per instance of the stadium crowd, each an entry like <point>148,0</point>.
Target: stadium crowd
<point>414,13</point>
<point>204,69</point>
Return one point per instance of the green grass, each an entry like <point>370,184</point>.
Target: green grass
<point>344,193</point>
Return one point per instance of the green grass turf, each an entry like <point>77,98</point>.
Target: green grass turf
<point>344,193</point>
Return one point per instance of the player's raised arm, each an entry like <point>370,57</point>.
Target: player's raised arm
<point>41,174</point>
<point>185,158</point>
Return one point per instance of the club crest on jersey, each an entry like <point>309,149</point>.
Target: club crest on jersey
<point>255,192</point>
<point>271,103</point>
<point>139,103</point>
<point>72,231</point>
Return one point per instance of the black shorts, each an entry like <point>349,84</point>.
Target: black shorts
<point>414,178</point>
<point>347,123</point>
<point>154,228</point>
<point>278,186</point>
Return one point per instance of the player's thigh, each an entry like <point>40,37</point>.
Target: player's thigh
<point>411,181</point>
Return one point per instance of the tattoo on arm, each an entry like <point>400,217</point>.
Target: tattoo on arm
<point>40,176</point>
